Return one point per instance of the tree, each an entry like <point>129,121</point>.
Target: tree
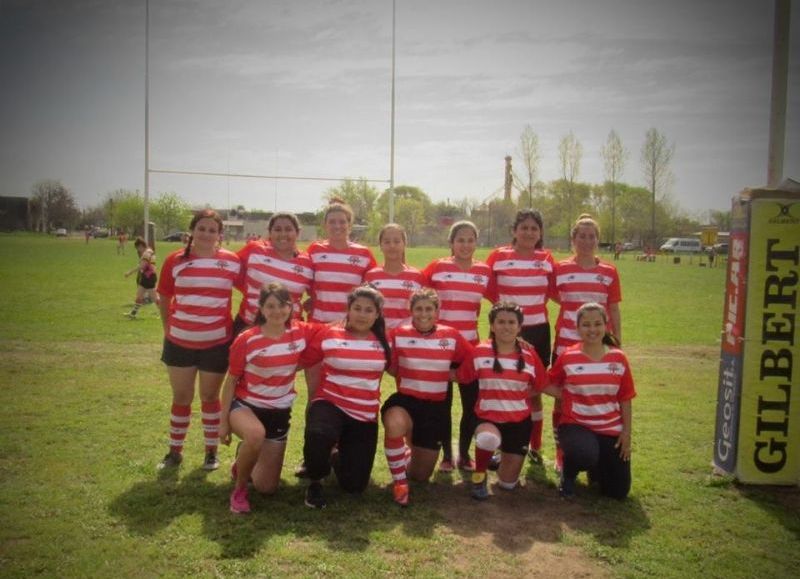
<point>410,213</point>
<point>170,213</point>
<point>570,152</point>
<point>614,156</point>
<point>656,157</point>
<point>125,210</point>
<point>529,152</point>
<point>53,205</point>
<point>358,194</point>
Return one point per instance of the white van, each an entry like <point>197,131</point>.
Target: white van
<point>681,245</point>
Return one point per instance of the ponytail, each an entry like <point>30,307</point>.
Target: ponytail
<point>188,249</point>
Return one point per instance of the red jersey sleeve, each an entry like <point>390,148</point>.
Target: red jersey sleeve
<point>238,355</point>
<point>556,374</point>
<point>244,255</point>
<point>540,380</point>
<point>313,352</point>
<point>427,273</point>
<point>463,350</point>
<point>626,388</point>
<point>466,372</point>
<point>166,283</point>
<point>614,290</point>
<point>491,291</point>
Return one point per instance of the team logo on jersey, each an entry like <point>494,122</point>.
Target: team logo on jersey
<point>354,260</point>
<point>293,347</point>
<point>297,269</point>
<point>222,264</point>
<point>267,260</point>
<point>487,362</point>
<point>343,344</point>
<point>571,277</point>
<point>412,342</point>
<point>599,278</point>
<point>408,285</point>
<point>448,276</point>
<point>578,369</point>
<point>376,346</point>
<point>615,368</point>
<point>444,343</point>
<point>477,279</point>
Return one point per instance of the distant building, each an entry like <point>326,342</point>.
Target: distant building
<point>14,214</point>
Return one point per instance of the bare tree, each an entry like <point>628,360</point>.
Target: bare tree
<point>570,152</point>
<point>54,204</point>
<point>529,152</point>
<point>656,157</point>
<point>614,155</point>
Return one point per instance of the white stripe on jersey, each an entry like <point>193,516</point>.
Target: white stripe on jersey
<point>454,295</point>
<point>534,320</point>
<point>325,276</point>
<point>457,316</point>
<point>592,368</point>
<point>191,281</point>
<point>186,317</point>
<point>502,405</point>
<point>424,343</point>
<point>590,277</point>
<point>197,336</point>
<point>522,281</point>
<point>326,316</point>
<point>428,365</point>
<point>570,334</point>
<point>524,300</point>
<point>584,297</point>
<point>341,258</point>
<point>505,364</point>
<point>351,364</point>
<point>272,393</point>
<point>425,385</point>
<point>279,349</point>
<point>201,301</point>
<point>594,409</point>
<point>449,277</point>
<point>332,296</point>
<point>593,389</point>
<point>271,371</point>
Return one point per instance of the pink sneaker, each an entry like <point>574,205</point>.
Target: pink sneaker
<point>239,502</point>
<point>446,466</point>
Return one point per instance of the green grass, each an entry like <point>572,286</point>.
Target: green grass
<point>85,409</point>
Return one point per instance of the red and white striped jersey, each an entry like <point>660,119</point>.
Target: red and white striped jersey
<point>199,290</point>
<point>526,281</point>
<point>593,389</point>
<point>422,361</point>
<point>351,371</point>
<point>266,367</point>
<point>575,286</point>
<point>504,396</point>
<point>396,290</point>
<point>336,272</point>
<point>261,264</point>
<point>460,293</point>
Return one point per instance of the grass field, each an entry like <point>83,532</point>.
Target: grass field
<point>85,411</point>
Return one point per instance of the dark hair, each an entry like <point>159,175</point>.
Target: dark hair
<point>337,204</point>
<point>278,290</point>
<point>284,215</point>
<point>524,214</point>
<point>379,327</point>
<point>608,338</point>
<point>506,306</point>
<point>139,242</point>
<point>423,293</point>
<point>203,214</point>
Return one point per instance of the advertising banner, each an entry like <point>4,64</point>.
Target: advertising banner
<point>768,433</point>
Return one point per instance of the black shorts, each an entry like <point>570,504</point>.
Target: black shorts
<point>539,337</point>
<point>514,436</point>
<point>427,417</point>
<point>147,282</point>
<point>213,359</point>
<point>274,420</point>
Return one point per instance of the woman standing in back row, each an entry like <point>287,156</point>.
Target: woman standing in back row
<point>523,274</point>
<point>579,279</point>
<point>195,290</point>
<point>461,283</point>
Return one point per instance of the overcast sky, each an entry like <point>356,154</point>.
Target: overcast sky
<point>303,89</point>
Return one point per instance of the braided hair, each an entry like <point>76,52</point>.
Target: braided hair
<point>379,326</point>
<point>204,214</point>
<point>506,306</point>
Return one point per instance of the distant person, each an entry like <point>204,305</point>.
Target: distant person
<point>395,279</point>
<point>617,250</point>
<point>524,273</point>
<point>461,283</point>
<point>595,425</point>
<point>195,288</point>
<point>259,391</point>
<point>342,419</point>
<point>146,277</point>
<point>422,354</point>
<point>87,235</point>
<point>122,240</point>
<point>712,254</point>
<point>579,279</point>
<point>508,372</point>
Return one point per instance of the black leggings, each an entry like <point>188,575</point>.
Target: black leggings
<point>466,428</point>
<point>589,451</point>
<point>327,426</point>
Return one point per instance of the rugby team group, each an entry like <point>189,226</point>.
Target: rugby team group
<point>334,313</point>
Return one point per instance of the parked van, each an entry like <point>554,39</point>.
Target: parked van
<point>681,245</point>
